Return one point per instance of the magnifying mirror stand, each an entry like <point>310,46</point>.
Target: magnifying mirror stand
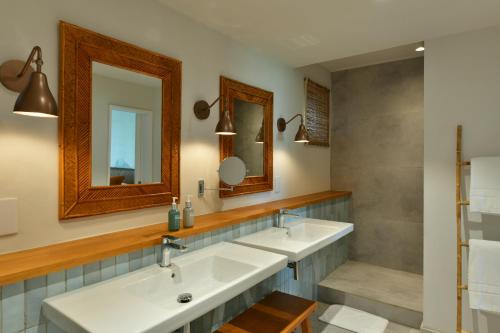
<point>202,188</point>
<point>232,172</point>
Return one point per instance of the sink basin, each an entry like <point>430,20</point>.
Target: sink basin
<point>146,300</point>
<point>302,237</point>
<point>198,278</point>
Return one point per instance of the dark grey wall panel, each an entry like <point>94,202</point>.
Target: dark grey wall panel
<point>377,152</point>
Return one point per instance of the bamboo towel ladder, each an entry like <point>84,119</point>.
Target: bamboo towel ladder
<point>459,205</point>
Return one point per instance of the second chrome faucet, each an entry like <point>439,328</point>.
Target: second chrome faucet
<point>283,213</point>
<point>169,243</point>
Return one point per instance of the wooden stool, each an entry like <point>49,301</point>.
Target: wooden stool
<point>277,313</point>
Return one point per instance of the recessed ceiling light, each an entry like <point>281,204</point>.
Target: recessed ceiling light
<point>420,47</point>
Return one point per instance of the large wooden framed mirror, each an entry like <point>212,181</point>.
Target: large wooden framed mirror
<point>119,125</point>
<point>251,110</point>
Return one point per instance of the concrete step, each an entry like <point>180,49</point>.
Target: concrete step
<point>392,294</point>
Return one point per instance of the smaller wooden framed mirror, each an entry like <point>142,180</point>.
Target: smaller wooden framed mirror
<point>119,125</point>
<point>251,111</point>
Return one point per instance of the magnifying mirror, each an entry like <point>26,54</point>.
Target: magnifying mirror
<point>232,171</point>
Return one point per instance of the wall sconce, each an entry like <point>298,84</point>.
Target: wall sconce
<point>35,98</point>
<point>224,126</point>
<point>302,135</point>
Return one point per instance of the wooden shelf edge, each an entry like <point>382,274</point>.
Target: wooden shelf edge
<point>25,264</point>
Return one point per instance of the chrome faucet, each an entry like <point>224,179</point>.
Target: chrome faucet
<point>169,243</point>
<point>282,215</point>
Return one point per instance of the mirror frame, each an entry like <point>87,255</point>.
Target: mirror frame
<point>230,90</point>
<point>77,197</point>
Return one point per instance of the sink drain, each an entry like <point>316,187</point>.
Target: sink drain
<point>184,298</point>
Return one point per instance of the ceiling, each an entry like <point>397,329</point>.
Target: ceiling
<point>302,32</point>
<point>372,58</point>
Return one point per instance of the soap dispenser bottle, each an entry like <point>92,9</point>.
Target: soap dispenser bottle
<point>174,217</point>
<point>188,213</point>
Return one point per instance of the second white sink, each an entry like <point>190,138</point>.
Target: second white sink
<point>301,238</point>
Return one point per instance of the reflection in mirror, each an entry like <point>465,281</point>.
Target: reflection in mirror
<point>126,127</point>
<point>248,145</point>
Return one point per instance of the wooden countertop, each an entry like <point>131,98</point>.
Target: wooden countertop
<point>22,265</point>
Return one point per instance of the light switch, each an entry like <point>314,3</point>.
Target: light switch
<point>8,213</point>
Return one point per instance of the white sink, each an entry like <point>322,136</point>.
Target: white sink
<point>146,300</point>
<point>302,237</point>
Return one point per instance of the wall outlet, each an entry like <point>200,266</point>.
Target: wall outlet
<point>277,184</point>
<point>8,211</point>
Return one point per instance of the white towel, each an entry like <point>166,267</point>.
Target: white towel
<point>484,275</point>
<point>485,185</point>
<point>353,319</point>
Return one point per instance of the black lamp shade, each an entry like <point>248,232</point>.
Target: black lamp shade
<point>36,99</point>
<point>302,135</point>
<point>225,125</point>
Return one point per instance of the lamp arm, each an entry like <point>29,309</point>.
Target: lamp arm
<point>39,62</point>
<point>202,108</point>
<point>297,115</point>
<point>213,103</point>
<point>231,188</point>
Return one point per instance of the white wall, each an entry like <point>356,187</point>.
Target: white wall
<point>28,146</point>
<point>462,86</point>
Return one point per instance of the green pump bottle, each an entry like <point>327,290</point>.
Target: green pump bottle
<point>174,217</point>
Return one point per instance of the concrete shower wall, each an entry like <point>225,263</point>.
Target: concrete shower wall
<point>377,152</point>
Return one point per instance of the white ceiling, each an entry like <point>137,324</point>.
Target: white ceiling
<point>372,58</point>
<point>304,32</point>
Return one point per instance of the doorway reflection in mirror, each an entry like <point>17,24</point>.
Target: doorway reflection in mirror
<point>126,127</point>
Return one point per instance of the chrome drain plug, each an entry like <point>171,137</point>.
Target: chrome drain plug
<point>184,298</point>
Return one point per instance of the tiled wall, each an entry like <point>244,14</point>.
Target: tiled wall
<point>377,153</point>
<point>20,306</point>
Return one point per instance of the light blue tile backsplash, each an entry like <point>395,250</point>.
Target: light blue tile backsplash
<point>74,278</point>
<point>56,283</point>
<point>135,260</point>
<point>91,273</point>
<point>35,293</point>
<point>122,266</point>
<point>20,306</point>
<point>13,310</point>
<point>108,268</point>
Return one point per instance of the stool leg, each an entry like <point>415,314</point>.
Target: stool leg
<point>306,326</point>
